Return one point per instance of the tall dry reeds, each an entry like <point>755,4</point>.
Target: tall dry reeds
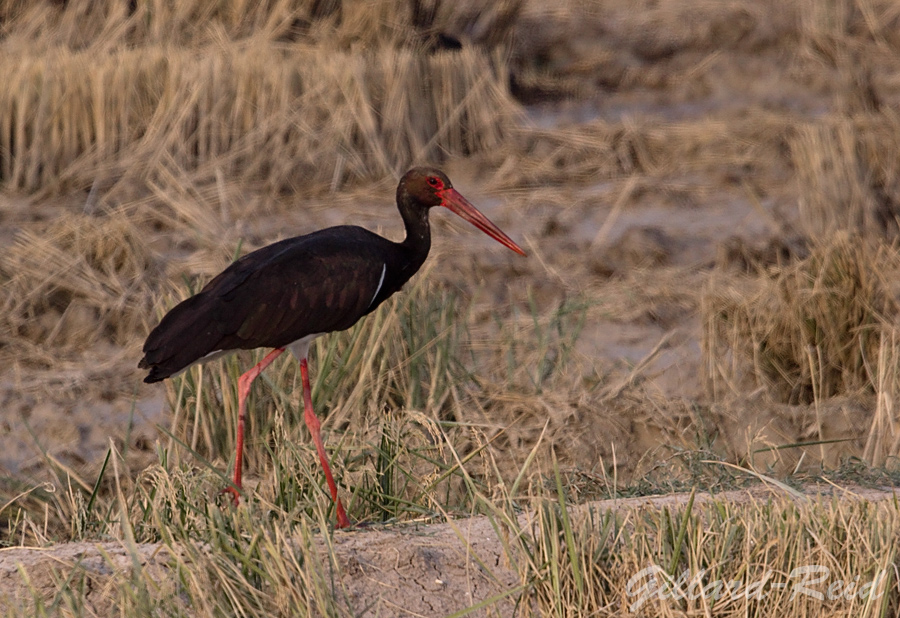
<point>253,112</point>
<point>104,25</point>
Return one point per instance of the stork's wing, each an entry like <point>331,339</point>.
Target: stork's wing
<point>318,283</point>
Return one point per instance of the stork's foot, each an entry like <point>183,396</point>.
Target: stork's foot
<point>235,494</point>
<point>342,520</point>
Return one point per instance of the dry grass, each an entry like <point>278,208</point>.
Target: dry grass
<point>845,167</point>
<point>420,372</point>
<point>748,555</point>
<point>273,92</point>
<point>725,147</point>
<point>811,331</point>
<point>78,281</point>
<point>883,439</point>
<point>288,117</point>
<point>111,24</point>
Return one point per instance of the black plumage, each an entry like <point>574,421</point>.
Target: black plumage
<point>313,284</point>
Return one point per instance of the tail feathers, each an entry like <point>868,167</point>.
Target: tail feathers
<point>184,336</point>
<point>156,374</point>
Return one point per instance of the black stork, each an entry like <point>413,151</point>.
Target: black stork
<point>288,293</point>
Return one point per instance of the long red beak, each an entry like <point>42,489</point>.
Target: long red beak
<point>461,206</point>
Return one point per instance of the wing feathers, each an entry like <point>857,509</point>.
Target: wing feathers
<point>272,297</point>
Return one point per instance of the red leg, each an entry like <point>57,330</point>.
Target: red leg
<point>244,384</point>
<point>313,423</point>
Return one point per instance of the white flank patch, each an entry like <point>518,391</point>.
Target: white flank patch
<point>209,357</point>
<point>300,348</point>
<point>380,283</point>
<point>202,361</point>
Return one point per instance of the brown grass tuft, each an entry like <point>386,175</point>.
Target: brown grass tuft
<point>810,331</point>
<point>846,171</point>
<point>76,281</point>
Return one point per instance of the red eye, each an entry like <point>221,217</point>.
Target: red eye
<point>434,182</point>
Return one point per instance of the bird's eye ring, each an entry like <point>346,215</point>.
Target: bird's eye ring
<point>433,181</point>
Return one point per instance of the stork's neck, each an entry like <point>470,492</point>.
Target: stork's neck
<point>418,231</point>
